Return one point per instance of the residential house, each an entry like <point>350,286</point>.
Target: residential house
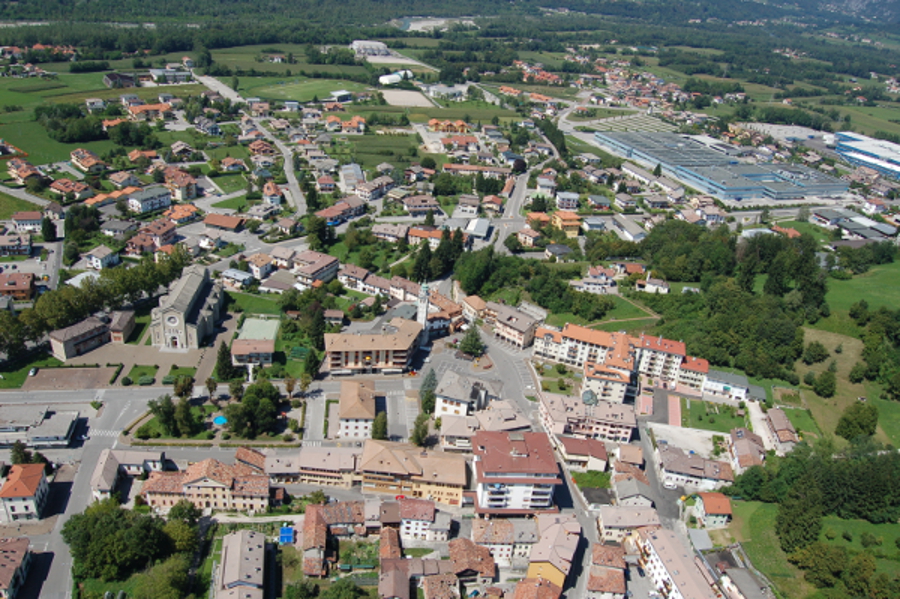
<point>252,352</point>
<point>557,251</point>
<point>207,126</point>
<point>511,325</point>
<point>115,463</point>
<point>691,471</point>
<point>236,279</point>
<point>260,265</point>
<point>123,179</point>
<point>311,266</point>
<point>356,409</point>
<point>713,510</point>
<point>727,385</point>
<point>27,221</point>
<point>272,194</point>
<point>15,562</point>
<point>101,257</point>
<point>568,222</point>
<point>182,185</point>
<point>782,429</point>
<point>118,228</point>
<point>627,229</point>
<point>15,245</point>
<point>457,432</point>
<point>651,285</point>
<point>616,523</point>
<point>631,491</point>
<point>515,473</point>
<point>18,286</point>
<point>508,539</point>
<point>567,200</point>
<point>149,199</point>
<point>460,394</point>
<point>64,187</point>
<point>599,280</point>
<point>582,455</point>
<point>390,351</point>
<point>746,449</point>
<point>528,237</point>
<point>551,557</point>
<point>181,214</point>
<point>470,562</point>
<point>390,232</point>
<point>606,577</point>
<point>416,518</point>
<point>86,161</point>
<point>24,494</point>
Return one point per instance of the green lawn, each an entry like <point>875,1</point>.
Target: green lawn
<point>199,412</point>
<point>255,304</point>
<point>95,587</point>
<point>183,371</point>
<point>299,88</point>
<point>754,526</point>
<point>592,479</point>
<point>231,182</point>
<point>245,58</point>
<point>10,204</point>
<point>137,371</point>
<point>709,416</point>
<point>634,327</point>
<point>560,320</point>
<point>888,560</point>
<point>475,111</point>
<point>821,235</point>
<point>15,374</point>
<point>228,152</point>
<point>878,287</point>
<point>237,203</point>
<point>371,150</point>
<point>417,551</point>
<point>803,422</point>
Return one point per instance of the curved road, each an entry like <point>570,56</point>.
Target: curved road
<point>295,197</point>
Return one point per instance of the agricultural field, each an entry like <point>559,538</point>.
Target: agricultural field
<point>878,287</point>
<point>474,112</point>
<point>709,416</point>
<point>371,150</point>
<point>245,58</point>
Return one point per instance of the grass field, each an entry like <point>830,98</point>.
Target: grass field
<point>709,416</point>
<point>10,204</point>
<point>818,233</point>
<point>474,111</point>
<point>233,203</point>
<point>231,182</point>
<point>244,57</point>
<point>371,150</point>
<point>600,113</point>
<point>592,479</point>
<point>137,371</point>
<point>827,411</point>
<point>754,526</point>
<point>633,327</point>
<point>878,287</point>
<point>297,88</point>
<point>804,422</point>
<point>254,304</point>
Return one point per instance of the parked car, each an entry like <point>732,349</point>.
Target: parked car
<point>32,372</point>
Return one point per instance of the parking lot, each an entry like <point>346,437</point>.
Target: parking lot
<point>69,378</point>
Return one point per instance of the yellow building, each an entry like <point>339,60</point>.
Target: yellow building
<point>404,469</point>
<point>551,557</point>
<point>567,222</point>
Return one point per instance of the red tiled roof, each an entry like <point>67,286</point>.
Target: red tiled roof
<point>23,481</point>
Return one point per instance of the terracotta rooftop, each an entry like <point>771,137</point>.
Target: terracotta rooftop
<point>23,481</point>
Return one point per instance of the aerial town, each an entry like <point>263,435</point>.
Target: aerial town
<point>565,333</point>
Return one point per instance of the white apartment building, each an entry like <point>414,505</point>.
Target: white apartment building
<point>671,566</point>
<point>149,199</point>
<point>24,493</point>
<point>515,473</point>
<point>416,519</point>
<point>603,420</point>
<point>356,409</point>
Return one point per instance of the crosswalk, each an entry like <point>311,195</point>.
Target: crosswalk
<point>311,443</point>
<point>103,433</point>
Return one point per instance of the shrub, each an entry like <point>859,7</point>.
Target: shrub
<point>126,381</point>
<point>143,432</point>
<point>209,435</point>
<point>830,534</point>
<point>169,379</point>
<point>810,378</point>
<point>848,536</point>
<point>295,403</point>
<point>146,380</point>
<point>226,436</point>
<point>867,540</point>
<point>96,404</point>
<point>287,437</point>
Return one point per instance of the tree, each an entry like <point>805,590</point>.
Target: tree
<point>859,419</point>
<point>858,372</point>
<point>48,229</point>
<point>182,535</point>
<point>184,386</point>
<point>513,244</point>
<point>167,580</point>
<point>471,343</point>
<point>289,384</point>
<point>428,162</point>
<point>815,352</point>
<point>19,453</point>
<point>803,214</point>
<point>657,171</point>
<point>236,389</point>
<point>234,83</point>
<point>426,391</point>
<point>186,511</point>
<point>799,517</point>
<point>343,589</point>
<point>379,427</point>
<point>419,436</point>
<point>186,422</point>
<point>825,384</point>
<point>422,266</point>
<point>305,381</point>
<point>301,590</point>
<point>164,411</point>
<point>429,219</point>
<point>225,370</point>
<point>519,166</point>
<point>211,386</point>
<point>111,543</point>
